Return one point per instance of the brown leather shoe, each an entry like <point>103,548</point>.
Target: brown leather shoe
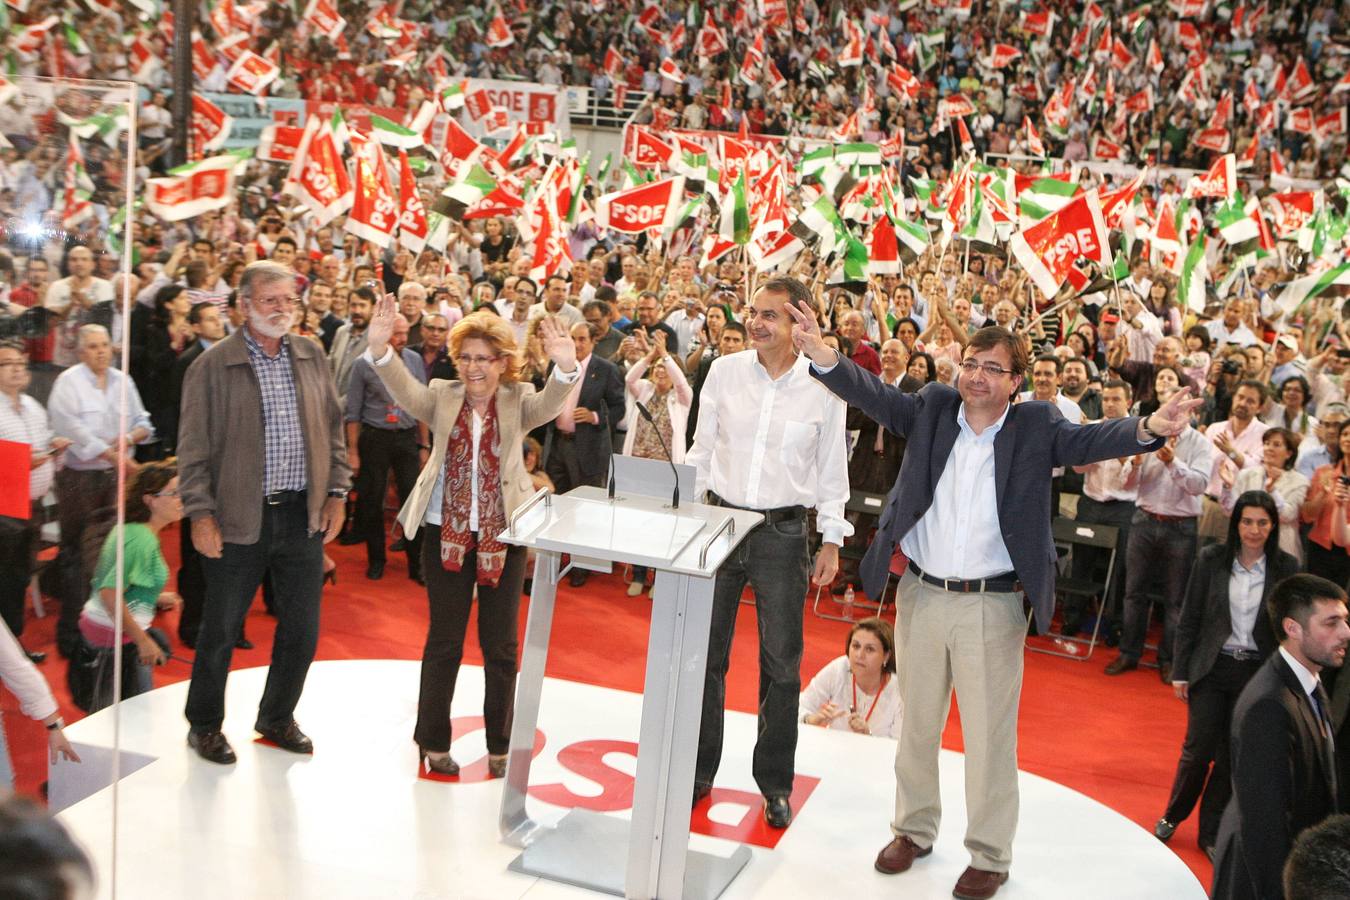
<point>1121,664</point>
<point>899,855</point>
<point>977,884</point>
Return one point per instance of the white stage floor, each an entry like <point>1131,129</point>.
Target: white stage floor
<point>355,821</point>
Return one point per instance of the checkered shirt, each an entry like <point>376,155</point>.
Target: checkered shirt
<point>283,439</point>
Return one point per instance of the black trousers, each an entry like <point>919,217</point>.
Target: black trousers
<point>1209,714</point>
<point>450,595</point>
<point>563,465</point>
<point>191,586</point>
<point>85,506</point>
<point>18,537</point>
<point>1162,550</point>
<point>381,450</point>
<point>1333,565</point>
<point>295,558</point>
<point>1086,560</point>
<point>775,559</point>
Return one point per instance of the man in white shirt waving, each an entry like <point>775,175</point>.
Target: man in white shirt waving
<point>769,438</point>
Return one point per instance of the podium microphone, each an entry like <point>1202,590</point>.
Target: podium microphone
<point>647,414</point>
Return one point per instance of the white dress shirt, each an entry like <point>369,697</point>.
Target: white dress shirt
<point>762,443</point>
<point>1173,489</point>
<point>1140,341</point>
<point>27,424</point>
<point>90,417</point>
<point>1104,481</point>
<point>959,534</point>
<point>1220,335</point>
<point>23,679</point>
<point>1307,680</point>
<point>1245,587</point>
<point>834,684</point>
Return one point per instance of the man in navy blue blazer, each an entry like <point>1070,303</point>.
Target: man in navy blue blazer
<point>971,513</point>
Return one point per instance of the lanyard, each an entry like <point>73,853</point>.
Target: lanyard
<point>854,708</point>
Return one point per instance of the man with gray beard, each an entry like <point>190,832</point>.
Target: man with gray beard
<point>263,476</point>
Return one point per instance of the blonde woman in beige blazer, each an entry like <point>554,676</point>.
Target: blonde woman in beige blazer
<point>474,479</point>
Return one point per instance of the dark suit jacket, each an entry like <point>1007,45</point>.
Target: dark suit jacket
<point>180,367</point>
<point>601,393</point>
<point>1205,618</point>
<point>1034,439</point>
<point>443,367</point>
<point>328,327</point>
<point>1283,782</point>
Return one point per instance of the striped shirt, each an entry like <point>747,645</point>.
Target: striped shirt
<point>283,439</point>
<point>26,423</point>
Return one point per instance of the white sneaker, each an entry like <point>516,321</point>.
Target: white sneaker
<point>634,588</point>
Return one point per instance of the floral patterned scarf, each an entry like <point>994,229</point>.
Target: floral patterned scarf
<point>456,538</point>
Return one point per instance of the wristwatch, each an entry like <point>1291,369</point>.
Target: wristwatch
<point>57,725</point>
<point>336,494</point>
<point>1148,432</point>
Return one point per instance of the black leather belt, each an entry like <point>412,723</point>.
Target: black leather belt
<point>280,497</point>
<point>564,435</point>
<point>1006,583</point>
<point>771,516</point>
<point>1241,655</point>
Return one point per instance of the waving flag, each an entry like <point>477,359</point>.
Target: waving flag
<point>1048,249</point>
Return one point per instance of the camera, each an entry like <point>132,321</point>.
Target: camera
<point>1230,367</point>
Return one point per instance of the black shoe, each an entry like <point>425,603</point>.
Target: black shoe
<point>290,738</point>
<point>243,643</point>
<point>375,572</point>
<point>188,642</point>
<point>1164,830</point>
<point>839,589</point>
<point>497,766</point>
<point>417,577</point>
<point>577,577</point>
<point>67,647</point>
<point>1070,628</point>
<point>399,545</point>
<point>350,539</point>
<point>777,812</point>
<point>1165,673</point>
<point>212,747</point>
<point>445,765</point>
<point>700,792</point>
<point>1121,664</point>
<point>35,656</point>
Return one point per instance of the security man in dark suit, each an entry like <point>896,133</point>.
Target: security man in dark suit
<point>971,513</point>
<point>1284,771</point>
<point>1223,636</point>
<point>579,442</point>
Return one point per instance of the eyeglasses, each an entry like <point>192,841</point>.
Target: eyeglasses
<point>166,494</point>
<point>290,300</point>
<point>465,361</point>
<point>970,367</point>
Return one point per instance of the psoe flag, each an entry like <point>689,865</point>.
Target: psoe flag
<point>197,189</point>
<point>641,207</point>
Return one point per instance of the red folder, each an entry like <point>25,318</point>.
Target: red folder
<point>16,463</point>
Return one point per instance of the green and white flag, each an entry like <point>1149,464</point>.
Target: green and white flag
<point>1045,196</point>
<point>392,134</point>
<point>106,125</point>
<point>77,45</point>
<point>820,220</point>
<point>857,155</point>
<point>813,162</point>
<point>853,266</point>
<point>1301,290</point>
<point>1194,274</point>
<point>912,239</point>
<point>1236,226</point>
<point>734,220</point>
<point>472,187</point>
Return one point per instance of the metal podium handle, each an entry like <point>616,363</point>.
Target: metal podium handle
<point>729,526</point>
<point>542,494</point>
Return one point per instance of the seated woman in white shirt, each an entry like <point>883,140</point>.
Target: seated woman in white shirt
<point>858,691</point>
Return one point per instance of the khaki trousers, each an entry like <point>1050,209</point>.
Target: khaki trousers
<point>972,642</point>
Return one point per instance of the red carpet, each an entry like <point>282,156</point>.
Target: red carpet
<point>1113,739</point>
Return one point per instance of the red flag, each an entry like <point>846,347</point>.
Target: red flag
<point>1034,144</point>
<point>374,213</point>
<point>412,217</point>
<point>210,126</point>
<point>613,63</point>
<point>279,143</point>
<point>641,207</point>
<point>670,71</point>
<point>203,59</point>
<point>498,32</point>
<point>318,176</point>
<point>1300,85</point>
<point>1048,249</point>
<point>252,73</point>
<point>1003,55</point>
<point>477,104</point>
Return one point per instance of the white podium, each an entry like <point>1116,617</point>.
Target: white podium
<point>648,857</point>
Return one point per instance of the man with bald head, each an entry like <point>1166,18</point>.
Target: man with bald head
<point>853,327</point>
<point>894,366</point>
<point>579,443</point>
<point>1139,375</point>
<point>412,303</point>
<point>382,435</point>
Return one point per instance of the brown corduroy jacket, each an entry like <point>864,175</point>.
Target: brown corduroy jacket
<point>220,436</point>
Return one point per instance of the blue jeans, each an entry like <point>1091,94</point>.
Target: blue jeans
<point>776,561</point>
<point>1165,550</point>
<point>295,559</point>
